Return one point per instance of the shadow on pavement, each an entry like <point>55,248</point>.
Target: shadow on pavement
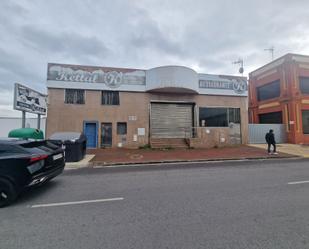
<point>34,193</point>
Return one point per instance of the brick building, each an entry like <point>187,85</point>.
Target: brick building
<point>169,105</point>
<point>279,93</point>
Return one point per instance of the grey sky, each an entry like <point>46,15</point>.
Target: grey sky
<point>204,35</point>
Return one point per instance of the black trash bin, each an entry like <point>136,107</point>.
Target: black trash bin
<point>74,144</point>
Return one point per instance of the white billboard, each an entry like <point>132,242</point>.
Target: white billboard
<point>29,100</point>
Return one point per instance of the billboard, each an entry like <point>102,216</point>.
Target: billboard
<point>29,100</point>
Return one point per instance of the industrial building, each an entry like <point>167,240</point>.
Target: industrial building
<point>279,94</point>
<point>162,106</point>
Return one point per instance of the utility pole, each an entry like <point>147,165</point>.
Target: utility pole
<point>23,122</point>
<point>241,63</point>
<point>271,50</point>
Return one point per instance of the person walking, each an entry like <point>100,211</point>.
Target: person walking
<point>270,140</point>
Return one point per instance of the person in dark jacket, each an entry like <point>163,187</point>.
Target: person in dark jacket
<point>270,140</point>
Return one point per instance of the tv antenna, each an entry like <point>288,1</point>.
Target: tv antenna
<point>240,62</point>
<point>271,50</point>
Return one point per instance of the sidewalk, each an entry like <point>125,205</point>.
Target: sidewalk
<point>292,149</point>
<point>132,156</point>
<point>81,164</point>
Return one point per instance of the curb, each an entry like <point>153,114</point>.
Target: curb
<point>103,164</point>
<point>77,167</point>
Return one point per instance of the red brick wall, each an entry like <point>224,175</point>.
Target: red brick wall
<point>291,100</point>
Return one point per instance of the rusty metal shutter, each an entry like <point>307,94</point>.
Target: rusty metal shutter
<point>170,120</point>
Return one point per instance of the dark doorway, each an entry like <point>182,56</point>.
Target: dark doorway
<point>106,134</point>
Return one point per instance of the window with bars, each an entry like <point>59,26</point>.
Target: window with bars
<point>110,98</point>
<point>121,128</point>
<point>74,96</point>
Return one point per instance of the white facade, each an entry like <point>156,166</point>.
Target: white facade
<point>171,77</point>
<point>164,79</point>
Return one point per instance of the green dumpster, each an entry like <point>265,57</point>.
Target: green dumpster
<point>27,133</point>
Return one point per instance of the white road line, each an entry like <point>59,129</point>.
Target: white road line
<point>301,182</point>
<point>76,202</point>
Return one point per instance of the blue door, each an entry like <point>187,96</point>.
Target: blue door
<point>90,130</point>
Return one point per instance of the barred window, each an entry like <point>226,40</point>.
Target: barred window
<point>234,115</point>
<point>110,98</point>
<point>74,96</point>
<point>121,128</point>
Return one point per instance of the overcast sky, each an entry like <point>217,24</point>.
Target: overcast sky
<point>204,35</point>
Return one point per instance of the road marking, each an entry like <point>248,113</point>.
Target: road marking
<point>76,202</point>
<point>301,182</point>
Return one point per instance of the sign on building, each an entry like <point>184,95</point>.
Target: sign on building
<point>29,100</point>
<point>111,77</point>
<point>225,85</point>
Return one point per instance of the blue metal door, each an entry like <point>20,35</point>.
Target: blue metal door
<point>90,130</point>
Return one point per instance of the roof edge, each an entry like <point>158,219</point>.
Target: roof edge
<point>284,58</point>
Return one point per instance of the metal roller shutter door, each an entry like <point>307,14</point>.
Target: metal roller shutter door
<point>170,120</point>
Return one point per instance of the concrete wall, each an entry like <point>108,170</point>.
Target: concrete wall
<point>210,137</point>
<point>7,124</point>
<point>70,117</point>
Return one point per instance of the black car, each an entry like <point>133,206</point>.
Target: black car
<point>25,163</point>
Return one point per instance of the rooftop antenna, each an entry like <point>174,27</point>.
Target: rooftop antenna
<point>271,50</point>
<point>241,63</point>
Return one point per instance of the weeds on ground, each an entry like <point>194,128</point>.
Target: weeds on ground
<point>145,147</point>
<point>148,147</point>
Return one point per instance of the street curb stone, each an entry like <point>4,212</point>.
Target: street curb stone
<point>102,163</point>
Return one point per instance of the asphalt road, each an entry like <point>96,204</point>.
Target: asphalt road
<point>216,205</point>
